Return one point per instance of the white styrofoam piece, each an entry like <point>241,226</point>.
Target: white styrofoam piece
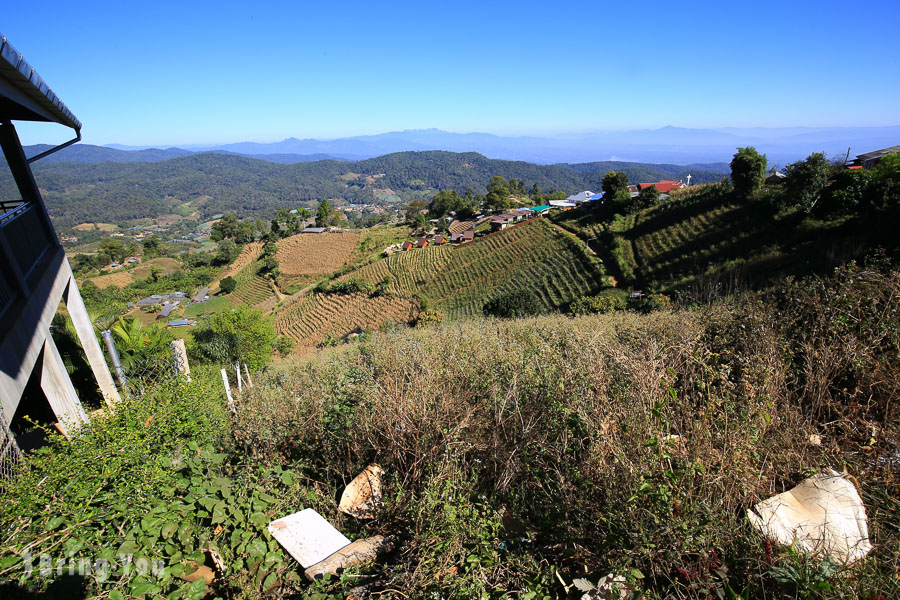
<point>307,536</point>
<point>823,514</point>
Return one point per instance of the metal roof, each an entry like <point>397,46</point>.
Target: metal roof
<point>24,95</point>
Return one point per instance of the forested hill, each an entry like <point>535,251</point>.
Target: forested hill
<point>211,183</point>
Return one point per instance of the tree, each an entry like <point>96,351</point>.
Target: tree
<point>413,210</point>
<point>805,180</point>
<point>748,171</point>
<point>227,252</point>
<point>614,183</point>
<point>112,249</point>
<point>241,335</point>
<point>227,285</point>
<point>518,303</point>
<point>497,197</point>
<point>649,196</point>
<point>323,213</point>
<point>151,247</point>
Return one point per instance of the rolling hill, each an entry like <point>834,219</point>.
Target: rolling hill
<point>210,183</point>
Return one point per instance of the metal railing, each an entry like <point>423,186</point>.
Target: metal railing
<point>24,241</point>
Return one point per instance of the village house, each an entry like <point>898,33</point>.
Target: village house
<point>468,236</point>
<point>407,245</point>
<point>439,240</point>
<point>870,159</point>
<point>421,243</point>
<point>663,186</point>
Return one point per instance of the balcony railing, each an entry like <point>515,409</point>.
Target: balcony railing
<point>24,241</point>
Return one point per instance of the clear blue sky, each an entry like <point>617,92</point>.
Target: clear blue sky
<point>211,72</point>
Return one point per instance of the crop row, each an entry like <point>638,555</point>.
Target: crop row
<point>339,315</point>
<point>253,292</point>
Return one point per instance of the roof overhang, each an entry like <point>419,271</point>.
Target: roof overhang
<point>24,96</point>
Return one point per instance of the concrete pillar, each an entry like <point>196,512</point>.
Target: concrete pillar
<point>59,391</point>
<point>85,330</point>
<point>179,353</point>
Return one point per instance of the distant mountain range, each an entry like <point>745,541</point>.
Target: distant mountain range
<point>87,153</point>
<point>674,145</point>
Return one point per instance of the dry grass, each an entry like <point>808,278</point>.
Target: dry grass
<point>619,442</point>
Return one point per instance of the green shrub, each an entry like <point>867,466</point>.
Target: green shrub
<point>602,303</point>
<point>517,303</point>
<point>227,285</point>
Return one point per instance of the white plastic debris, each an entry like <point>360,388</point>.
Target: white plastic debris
<point>307,536</point>
<point>822,515</point>
<point>362,496</point>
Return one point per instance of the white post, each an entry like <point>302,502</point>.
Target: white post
<point>179,353</point>
<point>237,371</point>
<point>247,371</point>
<point>228,391</point>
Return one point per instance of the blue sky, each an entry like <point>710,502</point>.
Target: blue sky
<point>213,72</point>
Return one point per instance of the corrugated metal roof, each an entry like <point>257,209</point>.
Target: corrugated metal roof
<point>24,95</point>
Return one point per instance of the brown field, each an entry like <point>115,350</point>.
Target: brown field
<point>98,226</point>
<point>120,279</point>
<point>315,254</point>
<point>168,266</point>
<point>311,317</point>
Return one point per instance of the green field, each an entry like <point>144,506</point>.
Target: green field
<point>710,238</point>
<point>213,305</point>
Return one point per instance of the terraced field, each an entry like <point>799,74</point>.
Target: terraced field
<point>255,291</point>
<point>312,317</point>
<point>459,280</point>
<point>249,253</point>
<point>671,245</point>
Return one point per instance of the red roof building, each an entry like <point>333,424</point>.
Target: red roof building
<point>664,186</point>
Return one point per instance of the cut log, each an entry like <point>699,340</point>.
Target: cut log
<point>357,553</point>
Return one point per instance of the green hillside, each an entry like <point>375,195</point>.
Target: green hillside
<point>211,183</point>
<point>709,239</point>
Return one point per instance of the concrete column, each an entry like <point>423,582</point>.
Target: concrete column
<point>85,330</point>
<point>59,391</point>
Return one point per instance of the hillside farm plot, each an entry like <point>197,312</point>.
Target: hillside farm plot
<point>532,256</point>
<point>312,317</point>
<point>308,254</point>
<point>166,265</point>
<point>249,253</point>
<point>120,279</point>
<point>255,290</point>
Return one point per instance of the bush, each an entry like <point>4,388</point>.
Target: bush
<point>602,303</point>
<point>350,286</point>
<point>518,303</point>
<point>239,335</point>
<point>227,285</point>
<point>429,317</point>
